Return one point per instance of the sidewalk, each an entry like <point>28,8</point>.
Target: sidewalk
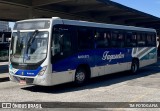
<point>3,71</point>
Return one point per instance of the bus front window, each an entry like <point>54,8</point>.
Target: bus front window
<point>28,47</point>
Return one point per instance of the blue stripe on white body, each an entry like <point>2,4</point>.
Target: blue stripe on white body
<point>101,57</point>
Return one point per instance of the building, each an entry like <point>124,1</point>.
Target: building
<point>5,37</point>
<point>5,32</point>
<point>4,26</point>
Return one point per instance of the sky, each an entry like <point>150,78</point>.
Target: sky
<point>148,6</point>
<point>11,24</point>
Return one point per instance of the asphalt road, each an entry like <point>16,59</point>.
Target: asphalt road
<point>119,87</point>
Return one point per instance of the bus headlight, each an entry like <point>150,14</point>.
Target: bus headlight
<point>42,71</point>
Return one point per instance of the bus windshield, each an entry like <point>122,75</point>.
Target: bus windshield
<point>28,47</point>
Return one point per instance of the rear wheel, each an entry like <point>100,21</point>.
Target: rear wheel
<point>80,76</point>
<point>134,66</point>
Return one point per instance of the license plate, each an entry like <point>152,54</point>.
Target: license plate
<point>23,82</point>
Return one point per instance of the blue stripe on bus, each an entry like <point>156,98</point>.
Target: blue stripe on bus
<point>99,57</point>
<point>28,72</point>
<point>93,58</point>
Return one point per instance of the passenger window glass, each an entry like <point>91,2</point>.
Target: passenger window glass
<point>141,40</point>
<point>117,40</point>
<point>85,40</point>
<point>62,40</point>
<point>131,40</point>
<point>114,39</point>
<point>120,40</point>
<point>102,39</point>
<point>151,40</point>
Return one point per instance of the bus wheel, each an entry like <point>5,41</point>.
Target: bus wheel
<point>134,66</point>
<point>80,76</point>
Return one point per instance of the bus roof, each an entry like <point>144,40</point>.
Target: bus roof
<point>93,24</point>
<point>103,25</point>
<point>36,19</point>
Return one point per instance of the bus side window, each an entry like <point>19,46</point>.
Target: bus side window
<point>114,39</point>
<point>131,39</point>
<point>107,39</point>
<point>128,40</point>
<point>120,40</point>
<point>134,40</point>
<point>141,40</point>
<point>66,41</point>
<point>61,40</point>
<point>85,38</point>
<point>154,41</point>
<point>149,40</point>
<point>117,40</point>
<point>55,41</point>
<point>102,39</point>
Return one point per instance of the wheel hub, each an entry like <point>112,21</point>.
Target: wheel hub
<point>80,76</point>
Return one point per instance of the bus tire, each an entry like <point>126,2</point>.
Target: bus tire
<point>134,66</point>
<point>80,76</point>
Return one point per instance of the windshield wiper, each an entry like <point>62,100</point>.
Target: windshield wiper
<point>32,38</point>
<point>30,41</point>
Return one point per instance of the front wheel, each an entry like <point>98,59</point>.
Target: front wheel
<point>134,67</point>
<point>80,77</point>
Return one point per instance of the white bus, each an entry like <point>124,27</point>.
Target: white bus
<point>54,51</point>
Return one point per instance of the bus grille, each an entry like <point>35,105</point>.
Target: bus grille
<point>28,67</point>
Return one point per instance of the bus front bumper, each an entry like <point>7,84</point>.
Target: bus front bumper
<point>37,80</point>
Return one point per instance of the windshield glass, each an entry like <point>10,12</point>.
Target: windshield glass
<point>28,47</point>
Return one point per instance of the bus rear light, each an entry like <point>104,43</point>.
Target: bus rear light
<point>42,71</point>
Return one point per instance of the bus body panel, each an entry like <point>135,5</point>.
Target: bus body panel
<point>65,69</point>
<point>100,61</point>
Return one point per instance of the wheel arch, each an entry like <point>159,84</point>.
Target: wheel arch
<point>135,59</point>
<point>135,65</point>
<point>86,67</point>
